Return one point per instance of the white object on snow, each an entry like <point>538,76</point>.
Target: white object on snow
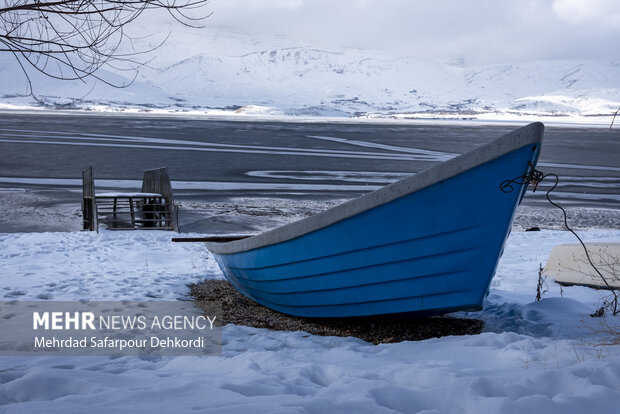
<point>568,264</point>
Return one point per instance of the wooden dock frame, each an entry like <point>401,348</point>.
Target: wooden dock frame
<point>152,208</point>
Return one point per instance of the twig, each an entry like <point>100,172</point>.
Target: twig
<point>73,39</point>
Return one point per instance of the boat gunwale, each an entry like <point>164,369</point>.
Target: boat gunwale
<point>519,138</point>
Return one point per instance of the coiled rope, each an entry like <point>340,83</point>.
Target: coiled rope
<point>535,177</point>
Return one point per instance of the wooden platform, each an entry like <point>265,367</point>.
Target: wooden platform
<point>152,208</point>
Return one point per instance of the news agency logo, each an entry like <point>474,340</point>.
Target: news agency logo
<point>110,328</point>
<point>89,321</point>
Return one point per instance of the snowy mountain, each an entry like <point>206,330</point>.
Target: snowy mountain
<point>211,69</point>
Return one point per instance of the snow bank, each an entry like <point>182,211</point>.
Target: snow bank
<point>533,356</point>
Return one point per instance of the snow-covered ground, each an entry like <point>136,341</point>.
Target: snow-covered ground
<point>221,73</point>
<point>542,356</point>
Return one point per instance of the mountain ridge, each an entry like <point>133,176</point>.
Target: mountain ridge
<point>215,69</point>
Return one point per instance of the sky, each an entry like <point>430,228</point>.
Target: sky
<point>477,31</point>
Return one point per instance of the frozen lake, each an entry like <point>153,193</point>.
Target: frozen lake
<point>42,156</point>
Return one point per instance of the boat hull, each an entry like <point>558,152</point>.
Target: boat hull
<point>431,251</point>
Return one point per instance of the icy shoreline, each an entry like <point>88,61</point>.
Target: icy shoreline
<point>20,212</point>
<point>265,114</point>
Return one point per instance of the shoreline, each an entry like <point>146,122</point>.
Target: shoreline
<point>27,211</point>
<point>483,118</point>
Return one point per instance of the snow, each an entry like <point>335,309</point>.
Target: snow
<point>541,356</point>
<point>218,73</point>
<point>136,194</point>
<point>99,266</point>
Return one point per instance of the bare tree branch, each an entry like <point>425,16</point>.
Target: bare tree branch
<point>74,39</point>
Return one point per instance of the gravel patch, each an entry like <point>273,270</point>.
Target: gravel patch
<point>240,310</point>
<point>579,218</point>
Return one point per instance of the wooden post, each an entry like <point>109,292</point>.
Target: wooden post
<point>133,214</point>
<point>212,239</point>
<point>158,181</point>
<point>89,207</point>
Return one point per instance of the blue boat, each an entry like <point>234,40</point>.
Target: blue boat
<point>428,244</point>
